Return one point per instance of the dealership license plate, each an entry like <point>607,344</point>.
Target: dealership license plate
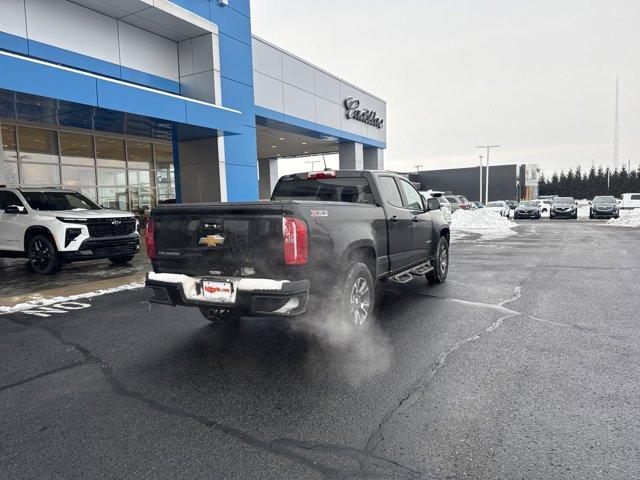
<point>219,292</point>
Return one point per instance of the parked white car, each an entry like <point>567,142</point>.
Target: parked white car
<point>630,200</point>
<point>445,206</point>
<point>499,207</point>
<point>51,226</point>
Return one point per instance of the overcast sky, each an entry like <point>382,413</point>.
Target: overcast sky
<point>536,77</point>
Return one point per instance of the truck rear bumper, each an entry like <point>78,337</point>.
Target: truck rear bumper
<point>253,296</point>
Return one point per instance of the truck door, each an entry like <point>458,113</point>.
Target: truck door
<point>422,225</point>
<point>399,224</point>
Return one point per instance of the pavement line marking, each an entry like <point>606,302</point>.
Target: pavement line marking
<point>90,290</point>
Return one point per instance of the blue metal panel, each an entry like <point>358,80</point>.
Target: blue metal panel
<point>234,56</point>
<point>236,24</point>
<point>13,43</point>
<point>37,79</point>
<point>240,151</point>
<point>143,78</point>
<point>199,7</point>
<point>125,98</point>
<point>242,182</point>
<point>241,97</point>
<point>206,116</point>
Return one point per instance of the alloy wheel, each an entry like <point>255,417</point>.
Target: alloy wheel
<point>360,301</point>
<point>40,255</point>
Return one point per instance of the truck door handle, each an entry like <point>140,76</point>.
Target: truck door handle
<point>415,219</point>
<point>394,218</point>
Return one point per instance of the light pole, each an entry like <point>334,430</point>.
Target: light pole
<point>488,147</point>
<point>417,167</point>
<point>481,157</point>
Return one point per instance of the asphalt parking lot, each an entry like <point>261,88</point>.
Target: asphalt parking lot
<point>523,365</point>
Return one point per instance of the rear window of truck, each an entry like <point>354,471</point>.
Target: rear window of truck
<point>350,190</point>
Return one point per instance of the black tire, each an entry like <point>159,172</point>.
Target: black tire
<point>357,296</point>
<point>121,260</point>
<point>551,216</point>
<point>441,267</point>
<point>591,216</point>
<point>220,316</point>
<point>575,217</point>
<point>43,255</point>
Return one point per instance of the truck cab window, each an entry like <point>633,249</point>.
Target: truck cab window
<point>414,199</point>
<point>390,191</point>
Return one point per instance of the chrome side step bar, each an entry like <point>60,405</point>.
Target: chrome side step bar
<point>407,275</point>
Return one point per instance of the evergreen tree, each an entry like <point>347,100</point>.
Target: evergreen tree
<point>577,184</point>
<point>570,184</point>
<point>542,185</point>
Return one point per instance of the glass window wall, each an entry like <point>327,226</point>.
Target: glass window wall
<point>119,173</point>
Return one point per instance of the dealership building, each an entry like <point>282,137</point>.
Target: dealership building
<point>138,101</point>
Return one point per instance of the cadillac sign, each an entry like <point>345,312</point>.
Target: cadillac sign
<point>370,117</point>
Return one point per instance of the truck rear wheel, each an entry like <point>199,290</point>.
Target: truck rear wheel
<point>220,316</point>
<point>441,267</point>
<point>357,295</point>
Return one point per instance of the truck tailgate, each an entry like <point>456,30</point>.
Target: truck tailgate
<point>240,239</point>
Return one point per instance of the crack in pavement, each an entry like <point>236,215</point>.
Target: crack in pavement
<point>377,436</point>
<point>368,464</point>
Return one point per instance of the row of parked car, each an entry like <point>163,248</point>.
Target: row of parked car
<point>602,206</point>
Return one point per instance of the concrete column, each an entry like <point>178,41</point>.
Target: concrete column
<point>351,156</point>
<point>374,159</point>
<point>199,170</point>
<point>268,176</point>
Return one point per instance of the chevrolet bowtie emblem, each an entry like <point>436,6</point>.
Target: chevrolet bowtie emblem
<point>212,240</point>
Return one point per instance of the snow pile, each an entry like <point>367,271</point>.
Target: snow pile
<point>482,221</point>
<point>628,218</point>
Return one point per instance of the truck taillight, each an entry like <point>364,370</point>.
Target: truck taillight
<point>294,234</point>
<point>150,240</point>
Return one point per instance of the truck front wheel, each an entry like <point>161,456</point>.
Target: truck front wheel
<point>441,264</point>
<point>357,295</point>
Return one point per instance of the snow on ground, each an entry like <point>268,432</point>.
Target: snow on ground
<point>489,225</point>
<point>42,302</point>
<point>628,218</point>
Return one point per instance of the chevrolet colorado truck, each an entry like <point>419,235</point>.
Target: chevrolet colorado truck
<point>53,226</point>
<point>330,236</point>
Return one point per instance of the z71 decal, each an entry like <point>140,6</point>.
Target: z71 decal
<point>319,213</point>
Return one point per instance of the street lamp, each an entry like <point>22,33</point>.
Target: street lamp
<point>417,167</point>
<point>488,147</point>
<point>481,157</point>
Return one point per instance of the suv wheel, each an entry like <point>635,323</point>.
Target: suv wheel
<point>121,260</point>
<point>441,267</point>
<point>43,255</point>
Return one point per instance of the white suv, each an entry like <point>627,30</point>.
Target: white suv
<point>51,226</point>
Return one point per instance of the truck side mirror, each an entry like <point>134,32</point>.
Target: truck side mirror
<point>13,209</point>
<point>433,204</point>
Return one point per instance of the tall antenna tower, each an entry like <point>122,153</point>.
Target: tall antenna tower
<point>616,131</point>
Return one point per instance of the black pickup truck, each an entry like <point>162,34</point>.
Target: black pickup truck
<point>328,236</point>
